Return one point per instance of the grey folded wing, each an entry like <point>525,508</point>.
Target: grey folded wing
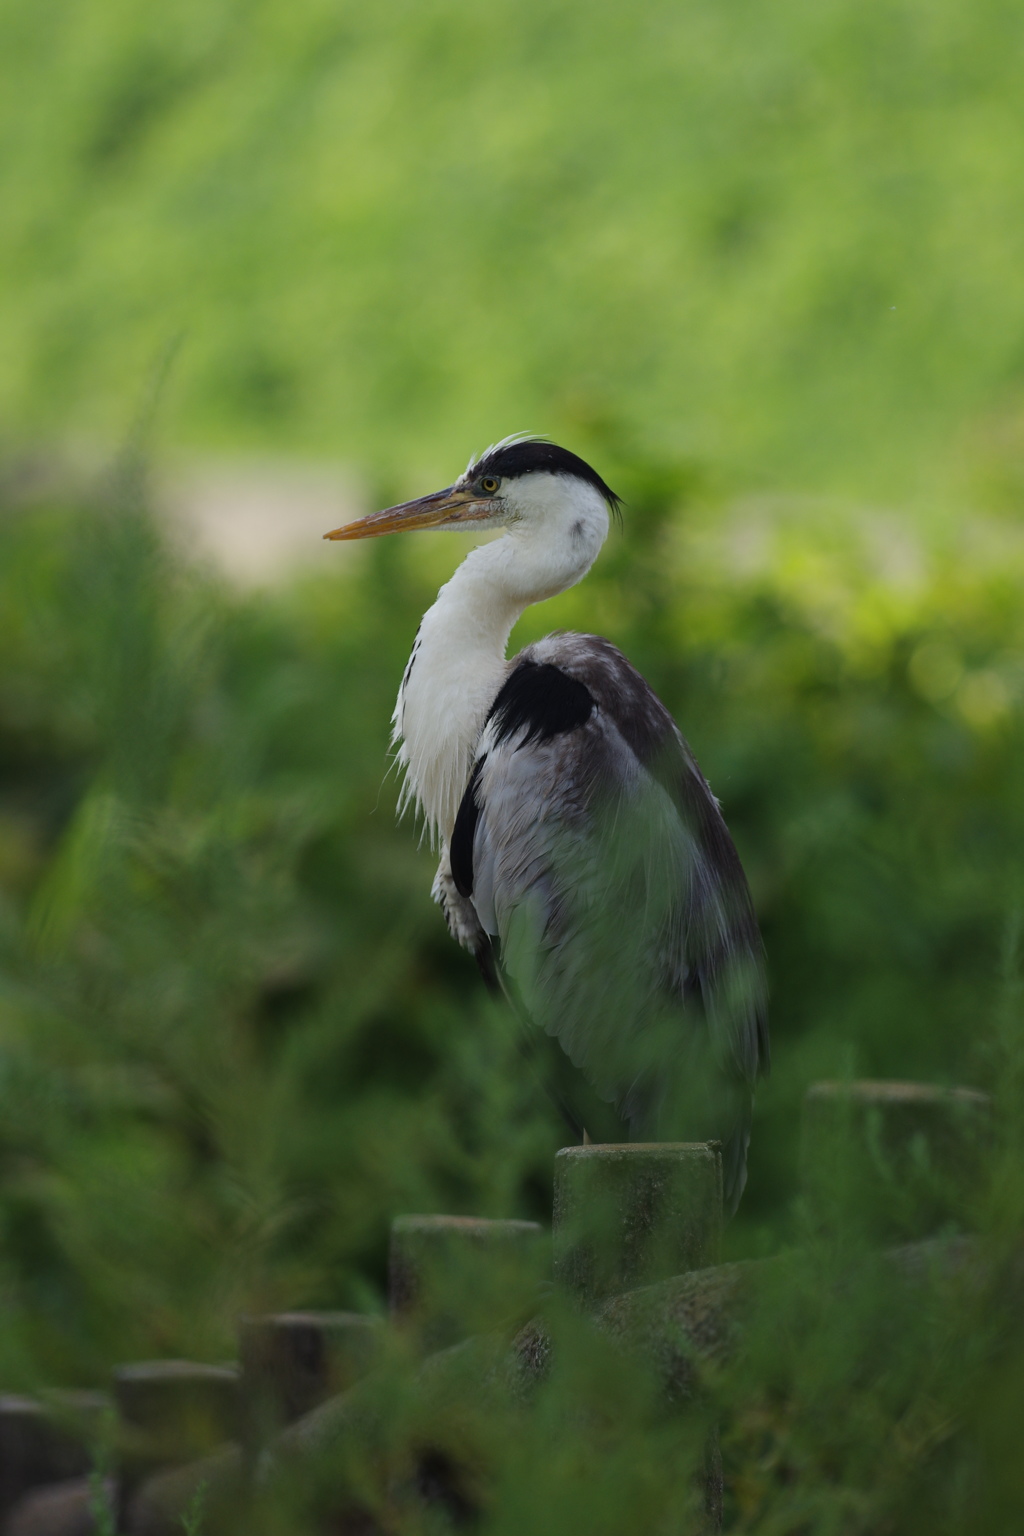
<point>590,849</point>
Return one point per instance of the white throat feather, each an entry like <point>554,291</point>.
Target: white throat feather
<point>555,528</point>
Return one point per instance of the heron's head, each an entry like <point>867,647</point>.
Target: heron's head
<point>524,484</point>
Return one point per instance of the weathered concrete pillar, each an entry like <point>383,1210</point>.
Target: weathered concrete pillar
<point>892,1161</point>
<point>293,1361</point>
<point>61,1509</point>
<point>172,1411</point>
<point>450,1276</point>
<point>46,1441</point>
<point>214,1492</point>
<point>628,1215</point>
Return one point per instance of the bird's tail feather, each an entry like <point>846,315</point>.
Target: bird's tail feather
<point>734,1158</point>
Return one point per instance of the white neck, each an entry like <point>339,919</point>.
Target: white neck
<point>458,662</point>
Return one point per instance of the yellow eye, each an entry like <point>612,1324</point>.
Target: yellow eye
<point>489,484</point>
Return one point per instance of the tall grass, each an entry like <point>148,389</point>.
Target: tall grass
<point>724,250</point>
<point>235,1037</point>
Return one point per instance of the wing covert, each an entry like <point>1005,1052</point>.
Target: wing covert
<point>594,854</point>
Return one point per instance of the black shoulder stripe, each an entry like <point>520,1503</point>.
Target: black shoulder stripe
<point>541,700</point>
<point>460,853</point>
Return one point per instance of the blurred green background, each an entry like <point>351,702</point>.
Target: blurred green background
<point>786,238</point>
<point>762,264</point>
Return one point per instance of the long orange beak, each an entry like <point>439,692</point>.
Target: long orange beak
<point>444,509</point>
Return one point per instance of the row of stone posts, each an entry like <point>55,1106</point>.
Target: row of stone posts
<point>896,1159</point>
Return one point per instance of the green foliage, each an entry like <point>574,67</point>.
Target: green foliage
<point>235,1039</point>
<point>102,1501</point>
<point>785,237</point>
<point>716,248</point>
<point>192,1517</point>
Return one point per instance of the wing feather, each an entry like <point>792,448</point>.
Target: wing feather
<point>592,852</point>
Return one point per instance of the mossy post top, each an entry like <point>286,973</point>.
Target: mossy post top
<point>628,1214</point>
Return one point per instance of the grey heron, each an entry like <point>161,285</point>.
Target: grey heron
<point>584,859</point>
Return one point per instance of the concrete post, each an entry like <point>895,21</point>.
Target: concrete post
<point>450,1276</point>
<point>625,1216</point>
<point>45,1442</point>
<point>60,1509</point>
<point>293,1361</point>
<point>214,1490</point>
<point>892,1161</point>
<point>172,1411</point>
